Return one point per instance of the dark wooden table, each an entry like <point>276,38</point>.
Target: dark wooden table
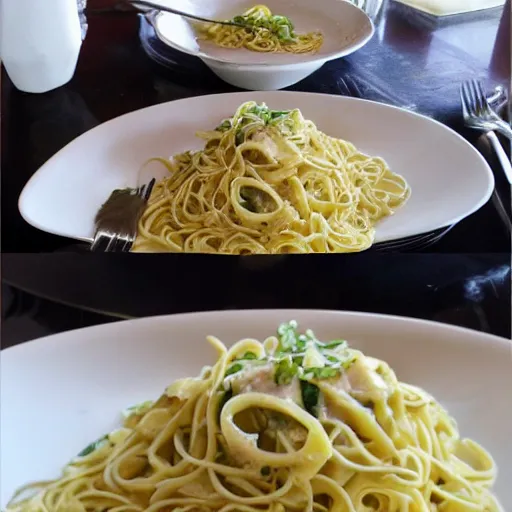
<point>412,60</point>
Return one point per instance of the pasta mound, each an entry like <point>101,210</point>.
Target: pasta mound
<point>269,182</point>
<point>262,31</point>
<point>288,425</point>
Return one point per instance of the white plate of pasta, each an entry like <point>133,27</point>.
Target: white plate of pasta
<point>282,410</point>
<point>276,44</point>
<point>265,172</point>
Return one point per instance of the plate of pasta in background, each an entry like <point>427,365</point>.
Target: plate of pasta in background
<point>265,173</point>
<point>283,410</point>
<point>274,45</point>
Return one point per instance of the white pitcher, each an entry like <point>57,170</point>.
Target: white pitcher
<point>39,42</point>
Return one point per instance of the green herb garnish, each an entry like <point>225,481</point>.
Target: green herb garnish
<point>224,126</point>
<point>265,471</point>
<point>285,371</point>
<point>280,26</point>
<point>239,137</point>
<point>288,338</point>
<point>234,368</point>
<point>333,344</point>
<point>310,397</point>
<point>254,115</point>
<point>93,446</point>
<point>249,356</point>
<point>326,372</point>
<point>223,401</point>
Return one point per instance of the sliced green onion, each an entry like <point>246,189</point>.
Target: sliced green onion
<point>285,371</point>
<point>137,408</point>
<point>287,336</point>
<point>93,446</point>
<point>265,471</point>
<point>333,344</point>
<point>310,397</point>
<point>249,356</point>
<point>234,368</point>
<point>224,126</point>
<point>223,401</point>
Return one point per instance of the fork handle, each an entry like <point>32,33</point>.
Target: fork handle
<point>505,129</point>
<point>158,7</point>
<point>502,156</point>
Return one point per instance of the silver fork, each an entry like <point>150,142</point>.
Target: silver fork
<point>157,7</point>
<point>117,219</point>
<point>478,113</point>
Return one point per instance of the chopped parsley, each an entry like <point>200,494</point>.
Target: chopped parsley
<point>280,26</point>
<point>224,126</point>
<point>138,409</point>
<point>249,356</point>
<point>265,471</point>
<point>223,401</point>
<point>320,373</point>
<point>93,446</point>
<point>285,371</point>
<point>303,356</point>
<point>333,344</point>
<point>298,358</point>
<point>234,368</point>
<point>252,115</point>
<point>310,397</point>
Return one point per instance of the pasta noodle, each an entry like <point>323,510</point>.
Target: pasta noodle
<point>288,425</point>
<point>265,32</point>
<point>269,182</point>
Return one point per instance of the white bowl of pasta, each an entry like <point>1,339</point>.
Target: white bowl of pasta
<point>399,418</point>
<point>285,41</point>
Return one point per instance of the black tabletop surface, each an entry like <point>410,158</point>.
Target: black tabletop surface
<point>471,290</point>
<point>413,61</point>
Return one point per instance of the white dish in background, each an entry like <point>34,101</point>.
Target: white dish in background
<point>345,28</point>
<point>448,177</point>
<point>61,392</point>
<point>451,7</point>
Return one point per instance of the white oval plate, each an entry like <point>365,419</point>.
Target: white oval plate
<point>448,177</point>
<point>61,392</point>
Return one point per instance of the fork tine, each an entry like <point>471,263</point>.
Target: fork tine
<point>463,97</point>
<point>96,242</point>
<point>118,230</point>
<point>473,98</point>
<point>111,243</point>
<point>342,86</point>
<point>483,97</point>
<point>354,87</point>
<point>127,246</point>
<point>467,104</point>
<point>149,189</point>
<point>477,97</point>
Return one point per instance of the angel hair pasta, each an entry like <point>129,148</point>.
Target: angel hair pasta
<point>269,182</point>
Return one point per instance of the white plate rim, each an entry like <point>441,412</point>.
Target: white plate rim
<point>473,336</point>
